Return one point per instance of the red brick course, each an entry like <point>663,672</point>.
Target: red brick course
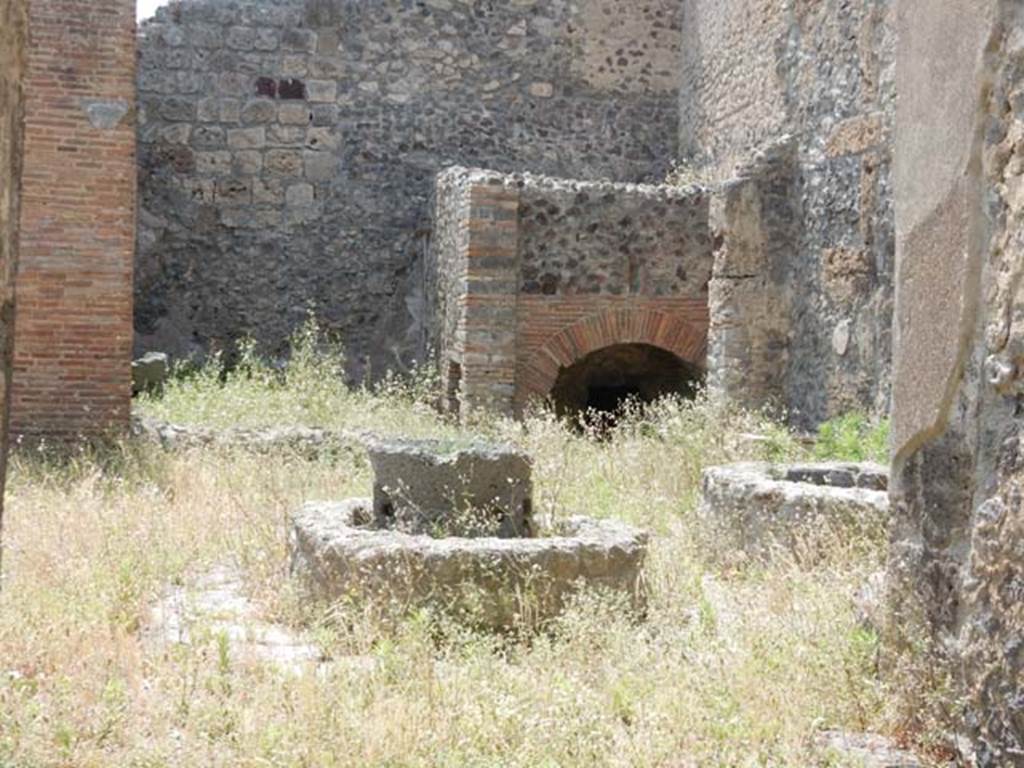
<point>555,332</point>
<point>73,338</point>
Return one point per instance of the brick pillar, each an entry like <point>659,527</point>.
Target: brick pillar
<point>748,341</point>
<point>487,328</point>
<point>13,29</point>
<point>72,365</point>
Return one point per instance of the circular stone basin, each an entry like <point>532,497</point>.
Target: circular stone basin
<point>339,553</point>
<point>759,507</point>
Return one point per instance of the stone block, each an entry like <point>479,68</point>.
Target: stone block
<point>320,166</point>
<point>762,508</point>
<point>246,138</point>
<point>259,111</point>
<point>299,195</point>
<point>247,163</point>
<point>294,113</point>
<point>429,487</point>
<point>283,162</point>
<point>322,90</point>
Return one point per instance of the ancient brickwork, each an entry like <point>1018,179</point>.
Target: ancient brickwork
<point>533,273</point>
<point>13,44</point>
<point>74,328</point>
<point>956,568</point>
<point>757,71</point>
<point>289,148</point>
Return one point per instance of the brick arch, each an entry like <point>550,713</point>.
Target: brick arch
<point>683,338</point>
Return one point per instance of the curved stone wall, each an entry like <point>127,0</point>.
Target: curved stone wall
<point>288,147</point>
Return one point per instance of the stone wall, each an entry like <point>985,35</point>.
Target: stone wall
<point>755,72</point>
<point>74,330</point>
<point>289,148</point>
<point>754,216</point>
<point>532,273</point>
<point>956,566</point>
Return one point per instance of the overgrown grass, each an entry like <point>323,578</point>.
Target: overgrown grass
<point>853,436</point>
<point>730,668</point>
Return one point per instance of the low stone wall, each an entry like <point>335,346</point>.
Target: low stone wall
<point>309,441</point>
<point>489,582</point>
<point>763,508</point>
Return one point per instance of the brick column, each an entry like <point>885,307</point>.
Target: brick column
<point>487,327</point>
<point>13,37</point>
<point>72,371</point>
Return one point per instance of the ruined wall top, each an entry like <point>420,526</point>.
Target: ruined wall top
<point>288,148</point>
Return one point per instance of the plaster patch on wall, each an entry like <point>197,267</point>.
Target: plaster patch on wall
<point>105,115</point>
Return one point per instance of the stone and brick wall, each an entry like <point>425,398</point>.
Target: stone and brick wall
<point>531,274</point>
<point>759,73</point>
<point>74,326</point>
<point>289,148</point>
<point>956,570</point>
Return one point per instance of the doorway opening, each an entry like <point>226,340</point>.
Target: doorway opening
<point>600,384</point>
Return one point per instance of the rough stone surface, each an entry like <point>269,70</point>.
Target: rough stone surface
<point>496,583</point>
<point>756,71</point>
<point>428,487</point>
<point>526,275</point>
<point>13,43</point>
<point>306,441</point>
<point>753,217</point>
<point>216,605</point>
<point>956,564</point>
<point>867,750</point>
<point>764,507</point>
<point>365,103</point>
<point>150,372</point>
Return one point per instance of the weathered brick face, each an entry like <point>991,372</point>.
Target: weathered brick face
<point>528,275</point>
<point>74,326</point>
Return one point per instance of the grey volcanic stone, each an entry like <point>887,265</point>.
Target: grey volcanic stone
<point>149,372</point>
<point>865,749</point>
<point>766,506</point>
<point>404,90</point>
<point>428,487</point>
<point>956,565</point>
<point>495,583</point>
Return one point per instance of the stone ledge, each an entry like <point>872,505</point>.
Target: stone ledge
<point>766,507</point>
<point>494,583</point>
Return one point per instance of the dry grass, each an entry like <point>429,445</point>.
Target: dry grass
<point>734,668</point>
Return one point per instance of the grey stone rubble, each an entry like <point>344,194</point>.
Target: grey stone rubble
<point>149,372</point>
<point>866,750</point>
<point>216,605</point>
<point>310,441</point>
<point>764,506</point>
